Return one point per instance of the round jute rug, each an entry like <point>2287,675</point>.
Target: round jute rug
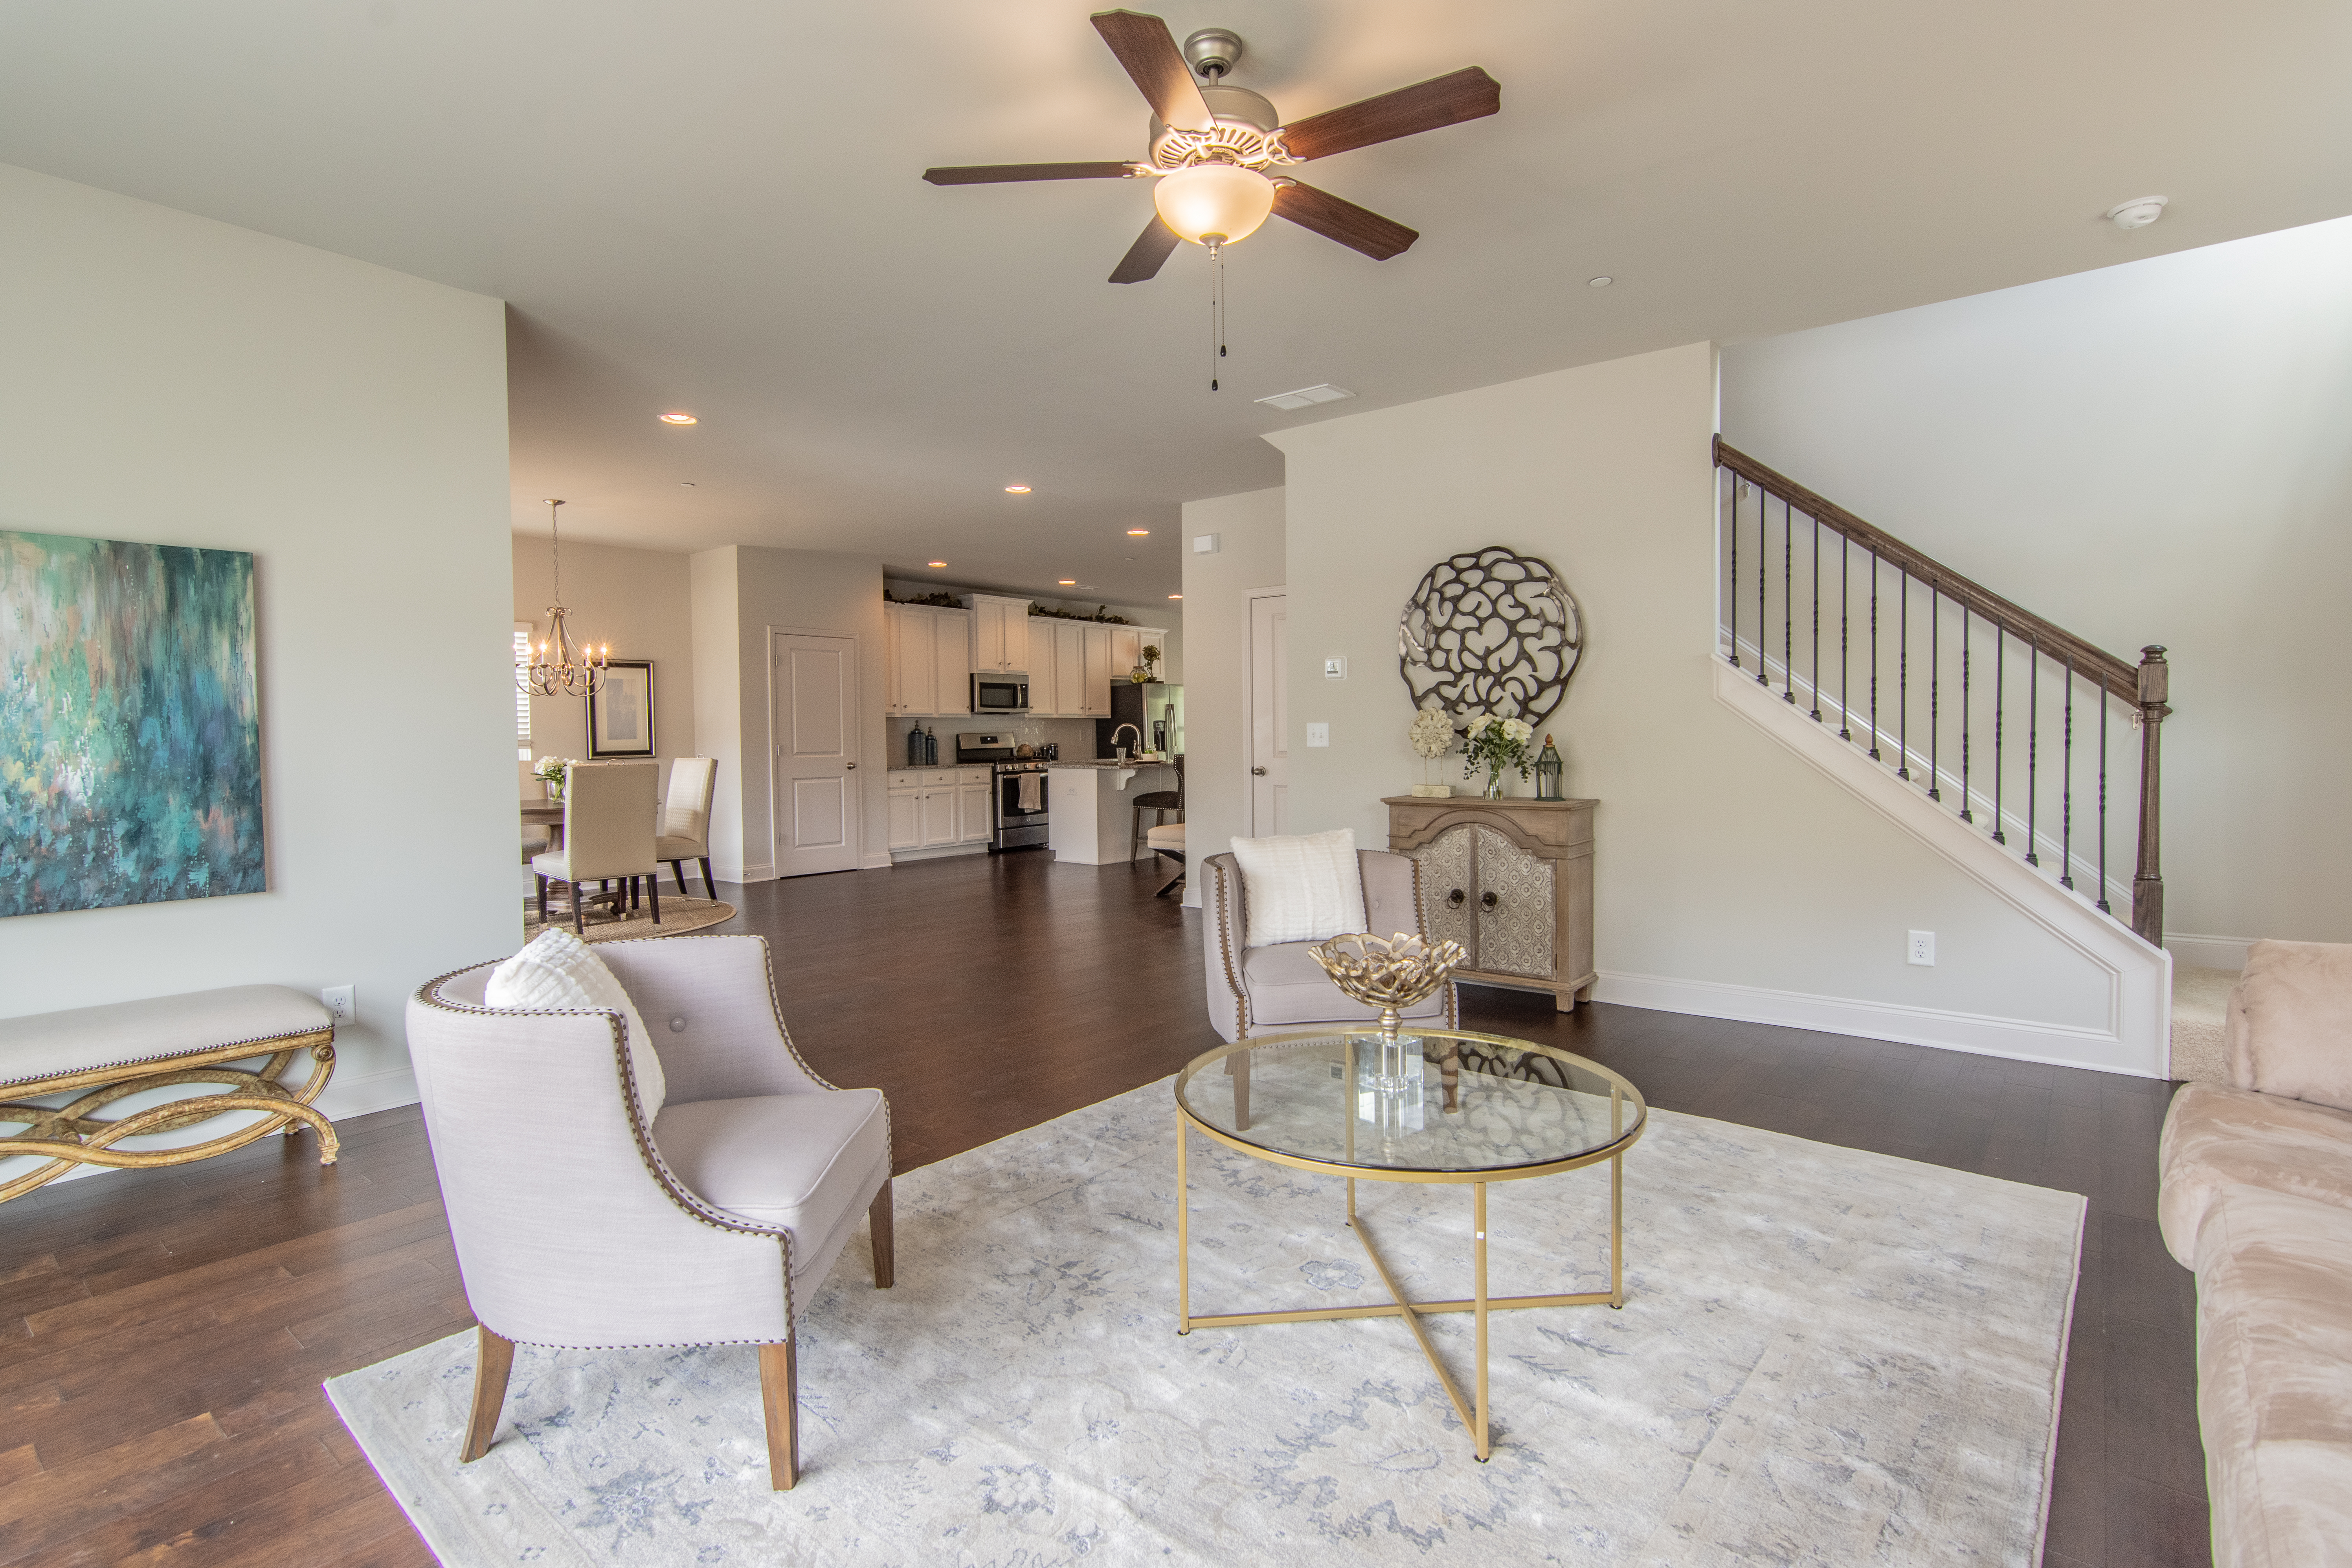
<point>679,916</point>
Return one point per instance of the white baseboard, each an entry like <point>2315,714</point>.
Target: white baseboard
<point>875,860</point>
<point>2015,1039</point>
<point>344,1097</point>
<point>2208,952</point>
<point>937,852</point>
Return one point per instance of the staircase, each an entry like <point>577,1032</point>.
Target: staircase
<point>2022,752</point>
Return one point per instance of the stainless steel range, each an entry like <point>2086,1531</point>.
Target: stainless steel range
<point>1018,786</point>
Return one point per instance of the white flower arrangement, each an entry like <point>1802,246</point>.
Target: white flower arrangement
<point>553,768</point>
<point>1495,742</point>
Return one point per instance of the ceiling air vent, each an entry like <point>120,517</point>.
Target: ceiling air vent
<point>1307,397</point>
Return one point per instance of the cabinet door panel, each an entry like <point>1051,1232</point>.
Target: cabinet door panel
<point>1447,869</point>
<point>1069,668</point>
<point>973,813</point>
<point>904,832</point>
<point>1514,908</point>
<point>1043,693</point>
<point>952,652</point>
<point>917,664</point>
<point>894,699</point>
<point>1095,643</point>
<point>1126,650</point>
<point>937,814</point>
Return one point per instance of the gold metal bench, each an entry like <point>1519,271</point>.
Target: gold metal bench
<point>130,1048</point>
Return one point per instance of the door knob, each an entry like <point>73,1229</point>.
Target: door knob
<point>1454,899</point>
<point>1487,900</point>
<point>1259,772</point>
<point>850,765</point>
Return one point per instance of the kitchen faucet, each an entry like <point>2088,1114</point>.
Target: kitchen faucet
<point>1115,746</point>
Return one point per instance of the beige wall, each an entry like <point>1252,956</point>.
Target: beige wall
<point>169,379</point>
<point>739,596</point>
<point>1724,860</point>
<point>640,603</point>
<point>1216,765</point>
<point>2151,453</point>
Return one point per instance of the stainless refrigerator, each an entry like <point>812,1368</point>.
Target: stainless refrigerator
<point>1155,708</point>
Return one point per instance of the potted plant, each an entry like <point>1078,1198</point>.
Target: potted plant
<point>1144,672</point>
<point>549,771</point>
<point>1495,743</point>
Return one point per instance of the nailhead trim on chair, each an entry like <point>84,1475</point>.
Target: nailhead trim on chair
<point>1225,950</point>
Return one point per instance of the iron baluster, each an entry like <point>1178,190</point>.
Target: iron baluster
<point>1874,656</point>
<point>1731,600</point>
<point>1935,683</point>
<point>2033,748</point>
<point>2104,705</point>
<point>1902,675</point>
<point>1817,620</point>
<point>2066,782</point>
<point>1845,553</point>
<point>1787,602</point>
<point>1763,556</point>
<point>1965,813</point>
<point>1999,683</point>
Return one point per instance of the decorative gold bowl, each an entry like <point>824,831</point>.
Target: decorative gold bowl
<point>1391,975</point>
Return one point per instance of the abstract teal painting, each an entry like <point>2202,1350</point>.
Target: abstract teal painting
<point>130,724</point>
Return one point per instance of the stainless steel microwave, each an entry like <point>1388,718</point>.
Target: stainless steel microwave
<point>1000,692</point>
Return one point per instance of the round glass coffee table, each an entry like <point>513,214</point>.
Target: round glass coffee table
<point>1435,1105</point>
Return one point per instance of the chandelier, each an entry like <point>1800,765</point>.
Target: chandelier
<point>556,668</point>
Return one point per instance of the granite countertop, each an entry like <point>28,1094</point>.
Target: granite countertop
<point>1108,762</point>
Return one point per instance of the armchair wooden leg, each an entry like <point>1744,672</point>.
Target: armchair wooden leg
<point>493,1362</point>
<point>679,878</point>
<point>879,1223</point>
<point>542,899</point>
<point>780,1402</point>
<point>653,892</point>
<point>578,924</point>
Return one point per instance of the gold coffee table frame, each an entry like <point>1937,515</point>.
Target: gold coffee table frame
<point>1626,1132</point>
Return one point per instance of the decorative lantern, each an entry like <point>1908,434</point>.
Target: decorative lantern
<point>1547,772</point>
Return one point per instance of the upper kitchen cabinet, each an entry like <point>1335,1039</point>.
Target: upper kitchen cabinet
<point>929,657</point>
<point>1045,691</point>
<point>999,633</point>
<point>1097,672</point>
<point>1127,646</point>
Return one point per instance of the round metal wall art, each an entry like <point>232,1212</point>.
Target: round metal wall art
<point>1491,631</point>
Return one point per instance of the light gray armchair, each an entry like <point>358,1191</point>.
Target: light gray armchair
<point>577,1225</point>
<point>1265,990</point>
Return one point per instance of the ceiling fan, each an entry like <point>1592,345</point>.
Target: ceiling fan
<point>1217,150</point>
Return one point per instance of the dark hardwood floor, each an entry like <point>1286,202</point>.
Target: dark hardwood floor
<point>163,1334</point>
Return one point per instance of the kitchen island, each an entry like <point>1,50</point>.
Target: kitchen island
<point>1091,808</point>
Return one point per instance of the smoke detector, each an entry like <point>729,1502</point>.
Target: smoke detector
<point>2137,213</point>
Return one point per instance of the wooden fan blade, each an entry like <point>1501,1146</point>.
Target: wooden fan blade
<point>1449,99</point>
<point>1144,258</point>
<point>1146,48</point>
<point>1357,228</point>
<point>1005,174</point>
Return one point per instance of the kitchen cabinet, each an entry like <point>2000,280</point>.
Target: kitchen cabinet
<point>928,657</point>
<point>1069,668</point>
<point>1095,701</point>
<point>999,633</point>
<point>938,808</point>
<point>1043,691</point>
<point>1126,650</point>
<point>1511,880</point>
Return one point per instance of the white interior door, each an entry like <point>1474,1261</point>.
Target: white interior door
<point>1269,749</point>
<point>815,760</point>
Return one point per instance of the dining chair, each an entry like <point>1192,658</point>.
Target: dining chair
<point>686,820</point>
<point>608,835</point>
<point>1159,803</point>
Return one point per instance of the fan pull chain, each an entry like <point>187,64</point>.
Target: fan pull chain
<point>1216,310</point>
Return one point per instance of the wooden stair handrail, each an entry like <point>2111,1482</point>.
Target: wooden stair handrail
<point>2120,678</point>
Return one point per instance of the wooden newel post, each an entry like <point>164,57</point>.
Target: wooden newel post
<point>2148,881</point>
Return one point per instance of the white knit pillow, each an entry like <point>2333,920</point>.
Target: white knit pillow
<point>559,970</point>
<point>1300,887</point>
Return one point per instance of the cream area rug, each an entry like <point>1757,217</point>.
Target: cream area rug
<point>1825,1357</point>
<point>679,916</point>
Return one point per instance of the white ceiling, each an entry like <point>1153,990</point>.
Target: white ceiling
<point>717,207</point>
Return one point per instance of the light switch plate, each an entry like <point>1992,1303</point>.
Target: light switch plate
<point>1318,735</point>
<point>1334,669</point>
<point>1923,947</point>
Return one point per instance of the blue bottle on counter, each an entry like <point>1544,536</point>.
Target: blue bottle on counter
<point>930,748</point>
<point>915,747</point>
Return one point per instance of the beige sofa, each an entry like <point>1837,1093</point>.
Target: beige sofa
<point>2257,1198</point>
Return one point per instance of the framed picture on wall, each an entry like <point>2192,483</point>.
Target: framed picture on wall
<point>621,714</point>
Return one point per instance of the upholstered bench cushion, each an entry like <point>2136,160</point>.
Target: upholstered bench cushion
<point>2275,1377</point>
<point>1286,986</point>
<point>2215,1138</point>
<point>122,1034</point>
<point>1170,836</point>
<point>806,1162</point>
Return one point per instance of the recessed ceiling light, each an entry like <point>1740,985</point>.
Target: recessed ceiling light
<point>934,563</point>
<point>1175,595</point>
<point>1017,490</point>
<point>1137,532</point>
<point>678,419</point>
<point>1066,582</point>
<point>686,484</point>
<point>1601,282</point>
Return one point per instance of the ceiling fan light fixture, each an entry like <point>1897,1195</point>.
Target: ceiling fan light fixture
<point>1222,202</point>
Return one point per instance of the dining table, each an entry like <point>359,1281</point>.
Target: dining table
<point>547,814</point>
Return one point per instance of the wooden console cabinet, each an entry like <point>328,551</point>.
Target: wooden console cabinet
<point>1511,880</point>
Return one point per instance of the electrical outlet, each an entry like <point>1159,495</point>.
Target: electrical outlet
<point>343,1002</point>
<point>1923,947</point>
<point>1334,669</point>
<point>1318,735</point>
